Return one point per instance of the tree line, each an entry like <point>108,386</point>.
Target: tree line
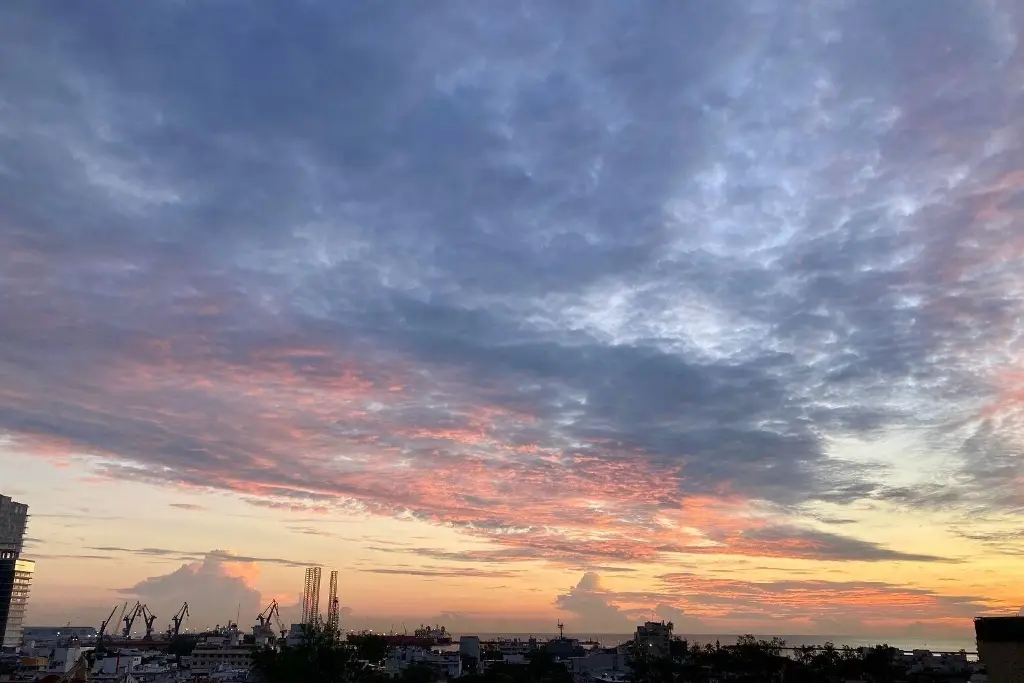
<point>323,657</point>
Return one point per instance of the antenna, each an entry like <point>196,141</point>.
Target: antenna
<point>561,631</point>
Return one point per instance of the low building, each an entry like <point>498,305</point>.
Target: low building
<point>603,664</point>
<point>50,635</point>
<point>296,635</point>
<point>209,659</point>
<point>1001,647</point>
<point>448,664</point>
<point>564,648</point>
<point>65,656</point>
<point>116,665</point>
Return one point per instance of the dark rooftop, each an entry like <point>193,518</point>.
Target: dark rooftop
<point>999,629</point>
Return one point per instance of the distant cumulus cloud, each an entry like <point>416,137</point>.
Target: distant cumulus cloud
<point>217,590</point>
<point>599,284</point>
<point>591,606</point>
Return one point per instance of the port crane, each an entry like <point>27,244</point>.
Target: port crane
<point>149,618</point>
<point>270,613</point>
<point>178,618</point>
<point>103,628</point>
<point>129,619</point>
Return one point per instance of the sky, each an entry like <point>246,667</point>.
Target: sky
<point>517,312</point>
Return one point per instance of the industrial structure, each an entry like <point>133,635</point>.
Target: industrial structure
<point>15,571</point>
<point>333,608</point>
<point>181,616</point>
<point>311,597</point>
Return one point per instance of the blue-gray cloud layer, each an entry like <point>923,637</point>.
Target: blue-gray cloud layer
<point>701,238</point>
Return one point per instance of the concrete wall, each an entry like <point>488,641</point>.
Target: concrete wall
<point>1003,661</point>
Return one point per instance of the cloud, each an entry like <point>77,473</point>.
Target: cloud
<point>223,555</point>
<point>191,507</point>
<point>453,572</point>
<point>216,590</point>
<point>812,544</point>
<point>855,606</point>
<point>589,306</point>
<point>590,604</point>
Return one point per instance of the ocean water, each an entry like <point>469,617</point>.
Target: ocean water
<point>901,642</point>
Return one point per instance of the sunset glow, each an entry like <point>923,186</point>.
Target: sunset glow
<point>707,311</point>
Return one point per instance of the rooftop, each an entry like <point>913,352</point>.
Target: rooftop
<point>999,629</point>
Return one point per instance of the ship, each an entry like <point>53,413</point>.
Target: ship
<point>424,636</point>
<point>437,634</point>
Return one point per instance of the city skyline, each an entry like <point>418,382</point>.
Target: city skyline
<point>511,316</point>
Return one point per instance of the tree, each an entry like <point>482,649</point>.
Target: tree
<point>181,646</point>
<point>879,662</point>
<point>320,658</point>
<point>370,647</point>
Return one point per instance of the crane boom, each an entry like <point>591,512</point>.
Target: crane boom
<point>120,617</point>
<point>276,613</point>
<point>103,626</point>
<point>264,617</point>
<point>79,671</point>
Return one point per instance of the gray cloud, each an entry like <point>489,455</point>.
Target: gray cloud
<point>218,555</point>
<point>191,507</point>
<point>643,252</point>
<point>824,545</point>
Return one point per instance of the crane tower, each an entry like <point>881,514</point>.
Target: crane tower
<point>333,612</point>
<point>311,597</point>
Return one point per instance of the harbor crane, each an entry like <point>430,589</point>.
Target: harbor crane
<point>129,619</point>
<point>103,628</point>
<point>149,618</point>
<point>178,618</point>
<point>270,613</point>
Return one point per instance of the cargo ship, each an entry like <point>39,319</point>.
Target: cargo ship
<point>438,635</point>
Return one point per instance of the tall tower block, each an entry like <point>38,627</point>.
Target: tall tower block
<point>333,610</point>
<point>15,571</point>
<point>311,596</point>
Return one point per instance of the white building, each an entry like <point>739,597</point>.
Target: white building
<point>117,665</point>
<point>607,664</point>
<point>208,659</point>
<point>401,658</point>
<point>65,656</point>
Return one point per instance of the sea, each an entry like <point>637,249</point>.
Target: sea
<point>905,643</point>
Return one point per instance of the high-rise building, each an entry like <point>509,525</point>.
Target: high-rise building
<point>655,638</point>
<point>21,582</point>
<point>13,520</point>
<point>15,572</point>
